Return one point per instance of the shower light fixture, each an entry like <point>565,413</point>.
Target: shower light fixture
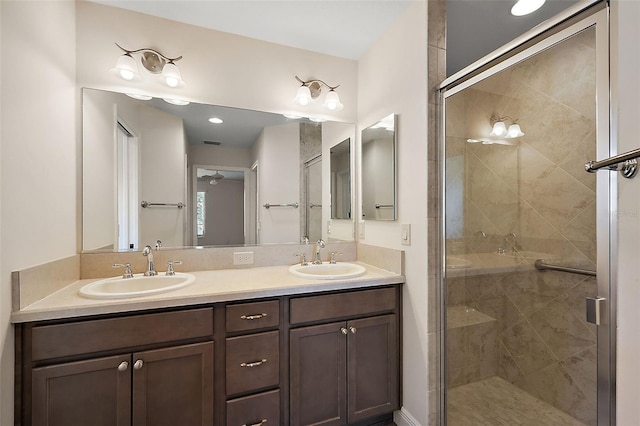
<point>525,7</point>
<point>310,90</point>
<point>499,127</point>
<point>153,61</point>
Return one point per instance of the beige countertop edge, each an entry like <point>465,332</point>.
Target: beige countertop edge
<point>210,287</point>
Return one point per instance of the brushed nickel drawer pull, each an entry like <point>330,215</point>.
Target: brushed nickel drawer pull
<point>352,330</point>
<point>253,364</point>
<point>261,422</point>
<point>253,317</point>
<point>123,366</point>
<point>344,330</point>
<point>138,364</point>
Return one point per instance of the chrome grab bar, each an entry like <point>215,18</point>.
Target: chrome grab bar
<point>626,164</point>
<point>267,205</point>
<point>146,204</point>
<point>384,206</point>
<point>313,205</point>
<point>542,266</point>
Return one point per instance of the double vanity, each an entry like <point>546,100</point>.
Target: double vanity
<point>252,346</point>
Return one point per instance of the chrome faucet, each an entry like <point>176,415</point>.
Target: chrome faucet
<point>150,268</point>
<point>316,258</point>
<point>512,240</point>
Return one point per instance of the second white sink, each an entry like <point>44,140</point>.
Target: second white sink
<point>139,285</point>
<point>328,271</point>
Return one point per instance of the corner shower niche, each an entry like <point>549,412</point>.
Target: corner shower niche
<point>507,203</point>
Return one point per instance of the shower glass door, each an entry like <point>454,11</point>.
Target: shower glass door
<point>517,347</point>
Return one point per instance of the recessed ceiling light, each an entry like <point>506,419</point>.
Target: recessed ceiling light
<point>525,7</point>
<point>138,96</point>
<point>179,102</point>
<point>215,120</point>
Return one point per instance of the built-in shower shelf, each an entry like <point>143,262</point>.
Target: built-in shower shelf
<point>465,316</point>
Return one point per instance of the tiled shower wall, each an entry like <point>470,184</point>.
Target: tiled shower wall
<point>537,189</point>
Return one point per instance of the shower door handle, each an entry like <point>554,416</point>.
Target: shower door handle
<point>595,309</point>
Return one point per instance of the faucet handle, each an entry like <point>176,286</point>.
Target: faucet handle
<point>303,259</point>
<point>158,244</point>
<point>127,269</point>
<point>170,264</point>
<point>332,259</point>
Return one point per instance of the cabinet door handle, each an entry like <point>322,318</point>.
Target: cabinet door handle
<point>344,330</point>
<point>253,316</point>
<point>253,364</point>
<point>138,364</point>
<point>123,366</point>
<point>352,330</point>
<point>261,422</point>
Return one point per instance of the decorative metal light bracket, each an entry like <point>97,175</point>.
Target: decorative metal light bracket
<point>151,59</point>
<point>315,86</point>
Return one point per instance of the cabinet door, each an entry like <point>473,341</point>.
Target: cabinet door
<point>173,386</point>
<point>372,367</point>
<point>95,392</point>
<point>317,375</point>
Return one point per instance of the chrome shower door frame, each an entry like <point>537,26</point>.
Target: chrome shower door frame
<point>586,15</point>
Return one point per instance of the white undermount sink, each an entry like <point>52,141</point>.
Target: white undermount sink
<point>139,285</point>
<point>327,271</point>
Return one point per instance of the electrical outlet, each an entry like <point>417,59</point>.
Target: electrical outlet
<point>243,258</point>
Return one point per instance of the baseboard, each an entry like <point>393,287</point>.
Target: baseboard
<point>403,418</point>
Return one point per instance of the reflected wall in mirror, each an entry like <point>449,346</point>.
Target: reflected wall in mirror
<point>340,158</point>
<point>135,151</point>
<point>379,170</point>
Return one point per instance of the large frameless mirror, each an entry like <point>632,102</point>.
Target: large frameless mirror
<point>202,175</point>
<point>340,159</point>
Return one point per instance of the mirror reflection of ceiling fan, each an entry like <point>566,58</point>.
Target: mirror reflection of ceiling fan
<point>215,178</point>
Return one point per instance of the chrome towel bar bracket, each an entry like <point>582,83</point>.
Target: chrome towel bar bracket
<point>626,164</point>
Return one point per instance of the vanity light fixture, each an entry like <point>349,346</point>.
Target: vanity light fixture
<point>525,7</point>
<point>310,90</point>
<point>153,61</point>
<point>216,178</point>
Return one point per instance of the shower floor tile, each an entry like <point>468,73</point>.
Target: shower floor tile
<point>495,402</point>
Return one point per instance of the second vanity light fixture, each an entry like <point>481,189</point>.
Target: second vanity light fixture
<point>153,61</point>
<point>310,90</point>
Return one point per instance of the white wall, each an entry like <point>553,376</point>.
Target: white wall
<point>39,184</point>
<point>392,79</point>
<point>625,15</point>
<point>278,183</point>
<point>219,68</point>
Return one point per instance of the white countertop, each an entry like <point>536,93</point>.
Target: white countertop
<point>209,287</point>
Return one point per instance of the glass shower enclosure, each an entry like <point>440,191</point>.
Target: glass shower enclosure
<point>518,206</point>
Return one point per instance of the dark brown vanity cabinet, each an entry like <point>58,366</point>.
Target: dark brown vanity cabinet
<point>74,380</point>
<point>325,358</point>
<point>344,372</point>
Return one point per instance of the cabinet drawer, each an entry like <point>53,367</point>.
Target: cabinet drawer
<point>253,362</point>
<point>263,408</point>
<point>329,306</point>
<point>59,340</point>
<point>253,316</point>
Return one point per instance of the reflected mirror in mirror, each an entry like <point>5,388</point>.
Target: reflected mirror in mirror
<point>340,158</point>
<point>379,170</point>
<point>137,151</point>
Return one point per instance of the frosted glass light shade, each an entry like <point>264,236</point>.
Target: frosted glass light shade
<point>171,75</point>
<point>332,101</point>
<point>525,7</point>
<point>514,131</point>
<point>499,129</point>
<point>127,68</point>
<point>303,96</point>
